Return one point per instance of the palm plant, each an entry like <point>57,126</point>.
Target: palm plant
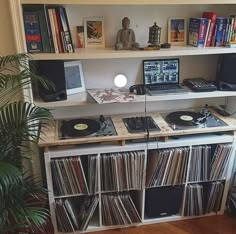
<point>20,127</point>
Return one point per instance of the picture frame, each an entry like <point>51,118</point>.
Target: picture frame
<point>94,32</point>
<point>74,77</point>
<point>177,31</point>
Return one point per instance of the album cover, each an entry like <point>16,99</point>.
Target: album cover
<point>113,95</point>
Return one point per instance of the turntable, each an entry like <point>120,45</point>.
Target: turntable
<point>183,120</point>
<point>92,127</point>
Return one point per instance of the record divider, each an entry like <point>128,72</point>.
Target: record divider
<point>99,191</point>
<point>228,175</point>
<point>186,180</point>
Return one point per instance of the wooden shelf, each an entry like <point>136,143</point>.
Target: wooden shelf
<point>82,99</point>
<point>129,2</point>
<point>109,53</point>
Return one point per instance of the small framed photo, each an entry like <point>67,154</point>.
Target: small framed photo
<point>177,31</point>
<point>74,77</point>
<point>94,32</point>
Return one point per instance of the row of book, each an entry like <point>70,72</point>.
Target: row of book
<point>119,209</point>
<point>208,163</point>
<point>72,176</point>
<point>47,29</point>
<point>166,166</point>
<point>212,30</point>
<point>73,214</point>
<point>202,199</point>
<point>122,171</point>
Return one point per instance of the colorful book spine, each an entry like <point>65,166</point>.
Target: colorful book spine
<point>66,30</point>
<point>53,29</point>
<point>220,31</point>
<point>32,31</point>
<point>211,16</point>
<point>197,31</point>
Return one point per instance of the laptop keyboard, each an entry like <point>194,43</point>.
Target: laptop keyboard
<point>164,87</point>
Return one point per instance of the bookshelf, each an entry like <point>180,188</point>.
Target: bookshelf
<point>100,66</point>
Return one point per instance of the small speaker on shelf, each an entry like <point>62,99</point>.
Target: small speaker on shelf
<point>226,72</point>
<point>163,201</point>
<point>67,77</point>
<point>53,70</point>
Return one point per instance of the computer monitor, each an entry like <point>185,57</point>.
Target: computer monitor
<point>161,71</point>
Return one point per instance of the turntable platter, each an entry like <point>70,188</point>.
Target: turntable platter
<point>80,127</point>
<point>184,118</point>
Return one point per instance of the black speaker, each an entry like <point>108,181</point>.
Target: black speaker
<point>163,201</point>
<point>54,71</point>
<point>226,72</point>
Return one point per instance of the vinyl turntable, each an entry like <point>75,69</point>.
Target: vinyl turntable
<point>91,127</point>
<point>183,120</point>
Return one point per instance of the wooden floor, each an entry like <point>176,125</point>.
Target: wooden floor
<point>220,224</point>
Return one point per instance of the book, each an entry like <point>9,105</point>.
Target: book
<point>53,29</point>
<point>66,30</point>
<point>32,31</point>
<point>212,17</point>
<point>44,31</point>
<point>219,31</point>
<point>57,30</point>
<point>80,36</point>
<point>197,31</point>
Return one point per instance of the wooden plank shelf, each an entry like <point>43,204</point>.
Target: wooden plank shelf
<point>82,99</point>
<point>129,2</point>
<point>123,137</point>
<point>111,53</point>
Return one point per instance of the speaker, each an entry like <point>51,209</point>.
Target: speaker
<point>54,71</point>
<point>226,72</point>
<point>164,201</point>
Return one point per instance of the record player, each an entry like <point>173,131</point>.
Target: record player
<point>86,127</point>
<point>183,120</point>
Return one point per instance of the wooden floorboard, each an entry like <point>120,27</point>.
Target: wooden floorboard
<point>220,224</point>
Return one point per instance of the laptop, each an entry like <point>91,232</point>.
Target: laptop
<point>161,76</point>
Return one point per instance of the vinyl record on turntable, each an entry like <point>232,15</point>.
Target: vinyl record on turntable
<point>184,118</point>
<point>80,127</point>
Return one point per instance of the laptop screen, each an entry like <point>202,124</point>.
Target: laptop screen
<point>161,71</point>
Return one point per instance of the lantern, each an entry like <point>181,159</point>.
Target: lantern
<point>154,35</point>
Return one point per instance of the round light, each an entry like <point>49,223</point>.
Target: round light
<point>120,81</point>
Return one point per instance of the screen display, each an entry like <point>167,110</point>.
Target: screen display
<point>161,71</point>
<point>73,79</point>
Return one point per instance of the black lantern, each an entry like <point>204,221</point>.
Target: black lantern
<point>154,35</point>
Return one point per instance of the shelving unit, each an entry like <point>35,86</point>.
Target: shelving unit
<point>100,66</point>
<point>127,151</point>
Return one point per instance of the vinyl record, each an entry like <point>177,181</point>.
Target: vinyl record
<point>184,118</point>
<point>80,127</point>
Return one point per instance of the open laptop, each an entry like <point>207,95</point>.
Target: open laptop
<point>161,76</point>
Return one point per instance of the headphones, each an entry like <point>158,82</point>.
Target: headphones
<point>138,89</point>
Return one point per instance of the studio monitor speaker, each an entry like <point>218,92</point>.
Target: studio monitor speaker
<point>163,201</point>
<point>226,72</point>
<point>54,71</point>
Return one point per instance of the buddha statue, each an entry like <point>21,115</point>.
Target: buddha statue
<point>125,39</point>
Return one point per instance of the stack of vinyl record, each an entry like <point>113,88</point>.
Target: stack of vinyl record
<point>119,209</point>
<point>166,166</point>
<point>200,163</point>
<point>73,215</point>
<point>220,161</point>
<point>122,171</point>
<point>71,176</point>
<point>203,198</point>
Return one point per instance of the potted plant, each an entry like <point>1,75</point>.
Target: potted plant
<point>21,204</point>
